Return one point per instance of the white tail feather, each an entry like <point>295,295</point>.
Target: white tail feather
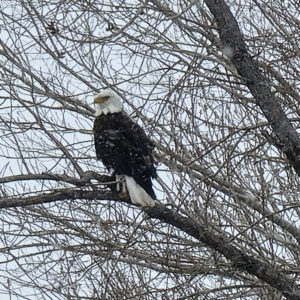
<point>137,194</point>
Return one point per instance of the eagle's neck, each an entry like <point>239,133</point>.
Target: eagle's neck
<point>111,106</point>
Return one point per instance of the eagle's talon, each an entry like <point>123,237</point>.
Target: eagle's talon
<point>122,195</point>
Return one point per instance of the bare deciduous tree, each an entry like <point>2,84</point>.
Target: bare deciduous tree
<point>215,84</point>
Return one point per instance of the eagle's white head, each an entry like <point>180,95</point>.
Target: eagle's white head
<point>107,102</point>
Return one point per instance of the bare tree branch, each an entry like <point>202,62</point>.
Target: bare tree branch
<point>238,258</point>
<point>58,195</point>
<point>235,47</point>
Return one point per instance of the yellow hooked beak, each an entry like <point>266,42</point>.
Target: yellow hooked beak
<point>100,99</point>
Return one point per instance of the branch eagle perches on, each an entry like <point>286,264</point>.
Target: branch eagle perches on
<point>238,258</point>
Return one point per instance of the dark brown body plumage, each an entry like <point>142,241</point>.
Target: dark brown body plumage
<point>123,147</point>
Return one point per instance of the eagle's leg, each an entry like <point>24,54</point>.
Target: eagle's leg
<point>121,186</point>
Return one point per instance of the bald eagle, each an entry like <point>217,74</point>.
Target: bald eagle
<point>124,148</point>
